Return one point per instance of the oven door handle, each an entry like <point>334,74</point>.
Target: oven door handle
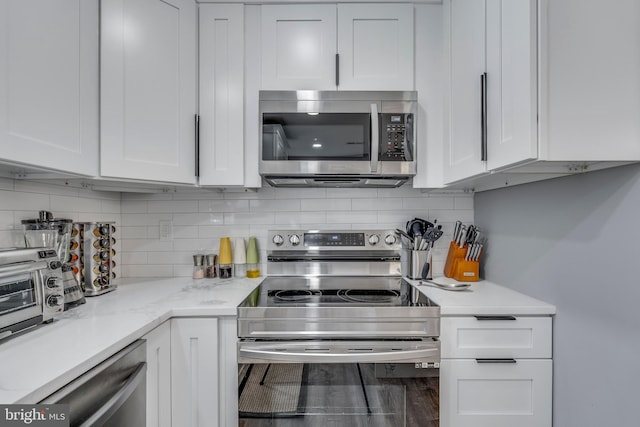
<point>354,356</point>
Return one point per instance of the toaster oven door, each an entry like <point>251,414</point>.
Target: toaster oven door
<point>20,300</point>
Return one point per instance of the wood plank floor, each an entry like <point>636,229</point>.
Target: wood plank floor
<point>332,396</point>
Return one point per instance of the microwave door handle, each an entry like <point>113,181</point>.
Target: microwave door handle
<point>375,138</point>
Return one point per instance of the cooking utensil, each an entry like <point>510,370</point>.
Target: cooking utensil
<point>446,286</point>
<point>417,226</point>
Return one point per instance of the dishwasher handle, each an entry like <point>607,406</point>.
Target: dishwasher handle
<point>119,398</point>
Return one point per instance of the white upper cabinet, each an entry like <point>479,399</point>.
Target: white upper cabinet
<point>299,47</point>
<point>491,108</point>
<point>512,82</point>
<point>375,46</point>
<point>345,47</point>
<point>221,136</point>
<point>148,90</point>
<point>590,80</point>
<point>49,84</point>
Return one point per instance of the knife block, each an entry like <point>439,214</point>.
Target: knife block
<point>455,253</point>
<point>466,271</point>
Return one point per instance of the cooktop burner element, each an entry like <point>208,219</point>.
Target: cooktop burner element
<point>373,296</point>
<point>294,294</point>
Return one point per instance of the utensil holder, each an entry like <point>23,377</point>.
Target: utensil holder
<point>455,253</point>
<point>418,261</point>
<point>466,271</point>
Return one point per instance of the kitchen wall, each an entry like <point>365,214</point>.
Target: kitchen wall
<point>573,242</point>
<point>20,199</point>
<point>199,218</point>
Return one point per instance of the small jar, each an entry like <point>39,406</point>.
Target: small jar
<point>198,267</point>
<point>210,266</point>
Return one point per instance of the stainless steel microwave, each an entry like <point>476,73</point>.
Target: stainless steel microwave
<point>337,138</point>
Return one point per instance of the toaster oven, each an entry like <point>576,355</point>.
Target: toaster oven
<point>31,288</point>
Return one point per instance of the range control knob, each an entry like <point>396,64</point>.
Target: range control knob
<point>374,239</point>
<point>390,239</point>
<point>294,239</point>
<point>53,282</point>
<point>277,240</point>
<point>54,300</point>
<point>54,265</point>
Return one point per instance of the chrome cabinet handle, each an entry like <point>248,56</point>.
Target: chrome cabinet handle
<point>375,138</point>
<point>496,361</point>
<point>483,116</point>
<point>118,399</point>
<point>337,69</point>
<point>197,125</point>
<point>495,317</point>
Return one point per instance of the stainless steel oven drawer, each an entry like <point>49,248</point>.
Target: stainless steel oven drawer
<point>309,328</point>
<point>425,352</point>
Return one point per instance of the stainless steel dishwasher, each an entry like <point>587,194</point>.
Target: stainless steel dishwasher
<point>111,394</point>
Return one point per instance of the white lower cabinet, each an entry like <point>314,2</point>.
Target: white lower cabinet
<point>159,376</point>
<point>194,372</point>
<point>496,371</point>
<point>495,393</point>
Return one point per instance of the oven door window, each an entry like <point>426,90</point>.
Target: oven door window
<point>322,136</point>
<point>337,394</point>
<point>17,293</point>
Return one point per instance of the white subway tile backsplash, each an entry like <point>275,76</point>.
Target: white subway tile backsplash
<point>172,206</point>
<point>280,205</point>
<point>204,218</point>
<point>6,220</point>
<point>24,201</point>
<point>299,219</point>
<point>200,217</point>
<point>223,206</point>
<point>353,217</point>
<point>326,205</point>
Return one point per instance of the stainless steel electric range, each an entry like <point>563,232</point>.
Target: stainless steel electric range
<point>335,336</point>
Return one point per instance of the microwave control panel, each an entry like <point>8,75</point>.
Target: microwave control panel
<point>396,133</point>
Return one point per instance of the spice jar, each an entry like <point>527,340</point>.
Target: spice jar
<point>198,268</point>
<point>253,268</point>
<point>225,261</point>
<point>210,266</point>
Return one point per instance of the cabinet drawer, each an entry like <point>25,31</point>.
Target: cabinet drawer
<point>511,394</point>
<point>496,337</point>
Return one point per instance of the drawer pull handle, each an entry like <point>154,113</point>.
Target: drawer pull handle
<point>495,317</point>
<point>496,361</point>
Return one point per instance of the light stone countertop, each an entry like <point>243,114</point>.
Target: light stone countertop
<point>484,298</point>
<point>41,361</point>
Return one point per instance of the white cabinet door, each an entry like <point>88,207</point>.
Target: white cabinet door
<point>299,47</point>
<point>194,372</point>
<point>492,47</point>
<point>375,44</point>
<point>49,84</point>
<point>464,31</point>
<point>476,394</point>
<point>590,80</point>
<point>148,90</point>
<point>512,78</point>
<point>221,141</point>
<point>159,376</point>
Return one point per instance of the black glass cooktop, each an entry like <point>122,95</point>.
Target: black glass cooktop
<point>337,291</point>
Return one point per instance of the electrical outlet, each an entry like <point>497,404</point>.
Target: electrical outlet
<point>166,229</point>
